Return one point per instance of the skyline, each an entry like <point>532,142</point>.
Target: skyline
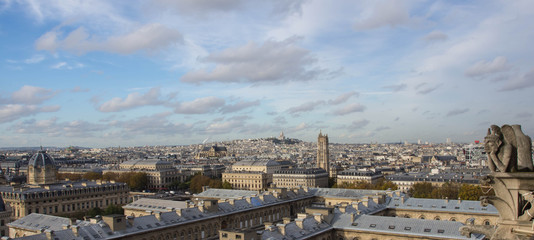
<point>105,74</point>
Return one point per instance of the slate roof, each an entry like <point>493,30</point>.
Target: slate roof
<point>404,226</point>
<point>442,205</point>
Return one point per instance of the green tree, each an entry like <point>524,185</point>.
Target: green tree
<point>113,209</point>
<point>110,176</point>
<point>198,181</point>
<point>138,181</point>
<point>227,185</point>
<point>470,192</point>
<point>421,190</point>
<point>92,176</point>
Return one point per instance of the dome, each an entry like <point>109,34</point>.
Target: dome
<point>41,159</point>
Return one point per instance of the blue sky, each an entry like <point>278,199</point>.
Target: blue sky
<point>133,73</point>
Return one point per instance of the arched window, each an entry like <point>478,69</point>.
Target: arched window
<point>487,222</point>
<point>422,217</point>
<point>437,218</point>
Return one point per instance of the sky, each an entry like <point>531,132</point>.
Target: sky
<point>135,73</point>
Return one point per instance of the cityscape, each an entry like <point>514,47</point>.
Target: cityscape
<point>266,120</point>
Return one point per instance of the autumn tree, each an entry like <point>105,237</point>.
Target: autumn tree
<point>92,176</point>
<point>421,190</point>
<point>227,185</point>
<point>470,192</point>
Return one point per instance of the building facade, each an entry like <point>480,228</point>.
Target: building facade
<point>248,180</point>
<point>294,178</point>
<point>353,176</point>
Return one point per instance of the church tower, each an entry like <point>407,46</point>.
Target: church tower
<point>322,152</point>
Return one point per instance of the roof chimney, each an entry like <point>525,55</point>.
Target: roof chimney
<point>300,223</point>
<point>318,217</point>
<point>267,225</point>
<point>75,230</point>
<point>282,228</point>
<point>302,215</point>
<point>158,216</point>
<point>286,220</point>
<point>459,200</point>
<point>130,220</point>
<point>49,234</point>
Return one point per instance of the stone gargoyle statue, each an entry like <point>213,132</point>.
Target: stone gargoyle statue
<point>508,149</point>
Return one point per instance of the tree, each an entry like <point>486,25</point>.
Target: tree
<point>470,192</point>
<point>421,190</point>
<point>113,209</point>
<point>138,181</point>
<point>92,176</point>
<point>110,176</point>
<point>227,185</point>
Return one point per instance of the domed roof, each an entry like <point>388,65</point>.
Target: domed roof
<point>41,159</point>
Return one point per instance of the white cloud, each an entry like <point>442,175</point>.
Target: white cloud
<point>385,13</point>
<point>156,124</point>
<point>200,105</point>
<point>11,112</point>
<point>34,59</point>
<point>484,68</point>
<point>149,37</point>
<point>351,108</point>
<point>239,106</point>
<point>31,95</point>
<point>521,82</point>
<point>342,98</point>
<point>133,100</point>
<point>435,36</point>
<point>271,62</point>
<point>52,127</point>
<point>306,107</point>
<point>458,111</point>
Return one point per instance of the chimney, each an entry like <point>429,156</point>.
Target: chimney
<point>231,201</point>
<point>158,216</point>
<point>267,225</point>
<point>389,193</point>
<point>65,226</point>
<point>302,215</point>
<point>75,230</point>
<point>342,209</point>
<point>179,211</point>
<point>459,200</point>
<point>352,217</point>
<point>262,197</point>
<point>249,200</point>
<point>365,202</point>
<point>286,220</point>
<point>318,217</point>
<point>447,199</point>
<point>355,205</point>
<point>300,223</point>
<point>130,220</point>
<point>115,222</point>
<point>49,234</point>
<point>282,228</point>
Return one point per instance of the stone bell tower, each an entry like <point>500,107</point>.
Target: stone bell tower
<point>322,152</point>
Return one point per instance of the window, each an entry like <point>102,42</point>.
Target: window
<point>407,228</point>
<point>237,236</point>
<point>372,225</point>
<point>427,229</point>
<point>391,227</point>
<point>441,231</point>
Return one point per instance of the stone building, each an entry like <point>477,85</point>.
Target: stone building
<point>161,174</point>
<point>257,165</point>
<point>46,195</point>
<point>279,213</point>
<point>323,155</point>
<point>293,178</point>
<point>212,152</point>
<point>353,176</point>
<point>248,180</point>
<point>5,218</point>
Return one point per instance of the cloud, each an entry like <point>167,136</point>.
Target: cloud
<point>271,62</point>
<point>34,59</point>
<point>385,13</point>
<point>357,124</point>
<point>280,120</point>
<point>133,100</point>
<point>523,115</point>
<point>200,105</point>
<point>519,83</point>
<point>156,124</point>
<point>379,129</point>
<point>351,108</point>
<point>455,112</point>
<point>424,89</point>
<point>396,87</point>
<point>199,7</point>
<point>79,89</point>
<point>221,127</point>
<point>435,36</point>
<point>11,112</point>
<point>342,98</point>
<point>149,37</point>
<point>31,95</point>
<point>65,65</point>
<point>305,107</point>
<point>484,68</point>
<point>239,106</point>
<point>52,127</point>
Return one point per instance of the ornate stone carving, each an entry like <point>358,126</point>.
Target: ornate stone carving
<point>512,178</point>
<point>508,149</point>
